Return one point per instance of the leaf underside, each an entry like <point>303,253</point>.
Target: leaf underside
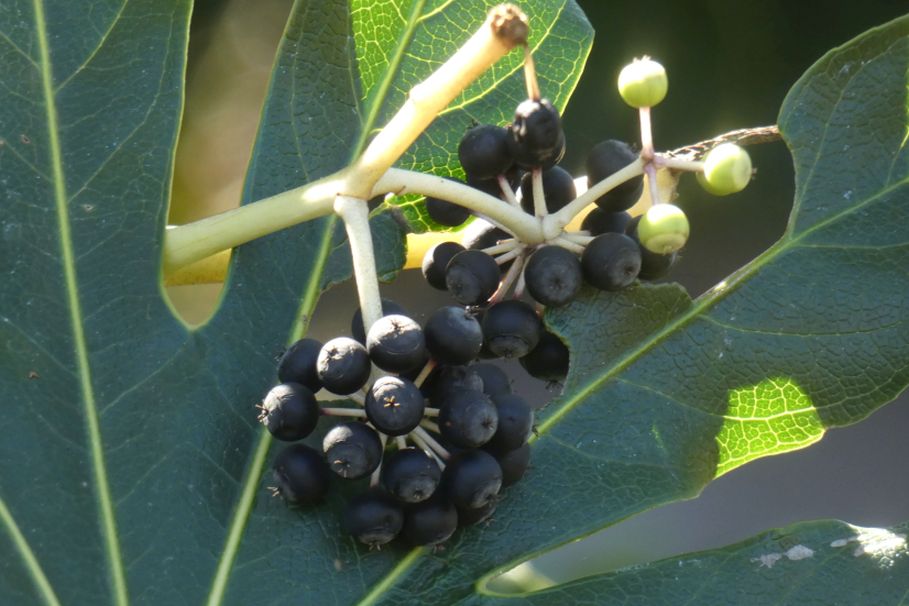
<point>131,464</point>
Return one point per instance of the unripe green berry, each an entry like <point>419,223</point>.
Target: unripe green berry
<point>727,170</point>
<point>663,229</point>
<point>643,83</point>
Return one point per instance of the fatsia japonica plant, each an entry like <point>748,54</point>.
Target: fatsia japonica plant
<point>133,467</point>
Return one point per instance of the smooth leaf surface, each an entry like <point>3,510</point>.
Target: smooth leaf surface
<point>664,394</point>
<point>809,564</point>
<point>131,462</point>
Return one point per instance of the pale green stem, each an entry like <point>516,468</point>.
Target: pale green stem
<point>509,194</point>
<point>355,214</point>
<point>678,164</point>
<point>553,224</point>
<point>539,196</point>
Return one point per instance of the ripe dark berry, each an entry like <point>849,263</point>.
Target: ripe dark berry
<point>553,275</point>
<point>548,360</point>
<point>373,518</point>
<point>511,328</point>
<point>515,422</point>
<point>493,187</point>
<point>467,418</point>
<point>352,450</point>
<point>495,381</point>
<point>396,344</point>
<point>343,366</point>
<point>598,221</point>
<point>453,335</point>
<point>301,474</point>
<point>605,159</point>
<point>472,479</point>
<point>389,308</point>
<point>445,379</point>
<point>536,137</point>
<point>436,260</point>
<point>289,411</point>
<point>483,152</point>
<point>558,189</point>
<point>469,517</point>
<point>298,364</point>
<point>446,213</point>
<point>394,405</point>
<point>411,475</point>
<point>472,277</point>
<point>611,261</point>
<point>653,265</point>
<point>430,522</point>
<point>513,463</point>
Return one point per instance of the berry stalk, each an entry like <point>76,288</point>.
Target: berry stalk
<point>355,214</point>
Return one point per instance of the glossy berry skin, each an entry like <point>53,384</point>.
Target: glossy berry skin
<point>643,83</point>
<point>389,308</point>
<point>301,474</point>
<point>663,229</point>
<point>513,463</point>
<point>511,328</point>
<point>472,479</point>
<point>395,343</point>
<point>483,152</point>
<point>298,364</point>
<point>436,260</point>
<point>453,335</point>
<point>352,449</point>
<point>394,405</point>
<point>535,137</point>
<point>472,277</point>
<point>598,221</point>
<point>727,170</point>
<point>430,522</point>
<point>289,412</point>
<point>558,189</point>
<point>343,366</point>
<point>609,157</point>
<point>611,261</point>
<point>467,418</point>
<point>373,518</point>
<point>446,213</point>
<point>495,381</point>
<point>553,276</point>
<point>445,379</point>
<point>653,265</point>
<point>548,360</point>
<point>410,475</point>
<point>515,422</point>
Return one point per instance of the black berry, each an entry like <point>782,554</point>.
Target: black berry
<point>289,411</point>
<point>467,418</point>
<point>343,366</point>
<point>495,381</point>
<point>446,213</point>
<point>436,260</point>
<point>445,379</point>
<point>653,265</point>
<point>472,479</point>
<point>430,522</point>
<point>605,159</point>
<point>301,474</point>
<point>373,518</point>
<point>411,475</point>
<point>298,364</point>
<point>536,137</point>
<point>453,335</point>
<point>515,422</point>
<point>469,517</point>
<point>558,189</point>
<point>396,344</point>
<point>611,261</point>
<point>483,152</point>
<point>389,308</point>
<point>511,328</point>
<point>472,277</point>
<point>599,221</point>
<point>513,463</point>
<point>548,360</point>
<point>394,405</point>
<point>553,275</point>
<point>352,450</point>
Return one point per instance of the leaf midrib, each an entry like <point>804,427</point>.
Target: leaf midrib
<point>102,489</point>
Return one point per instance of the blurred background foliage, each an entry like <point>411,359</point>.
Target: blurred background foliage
<point>730,65</point>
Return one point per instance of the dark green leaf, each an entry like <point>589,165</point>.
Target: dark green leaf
<point>810,564</point>
<point>131,460</point>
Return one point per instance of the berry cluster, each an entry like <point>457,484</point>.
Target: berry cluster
<point>438,431</point>
<point>468,431</point>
